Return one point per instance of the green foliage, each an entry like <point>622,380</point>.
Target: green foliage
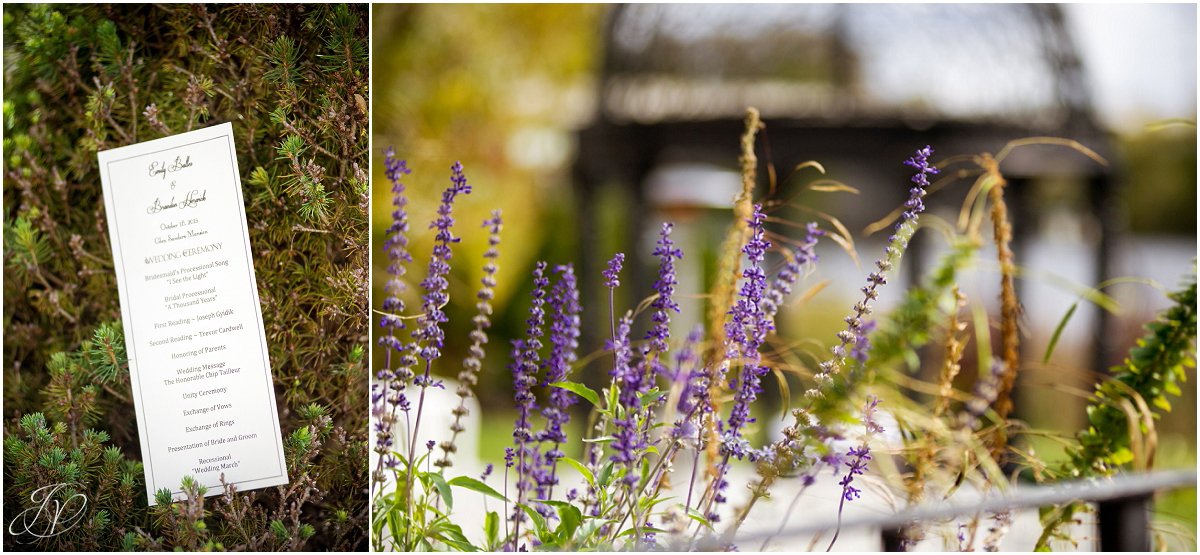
<point>1124,406</point>
<point>83,78</point>
<point>911,324</point>
<point>1154,368</point>
<point>44,458</point>
<point>42,453</point>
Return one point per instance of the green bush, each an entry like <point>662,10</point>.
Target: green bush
<point>293,80</point>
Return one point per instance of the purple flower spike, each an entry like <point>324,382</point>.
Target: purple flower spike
<point>526,361</point>
<point>693,395</point>
<point>430,324</point>
<point>660,332</point>
<point>853,340</point>
<point>612,274</point>
<point>564,343</point>
<point>862,342</point>
<point>468,377</point>
<point>746,332</point>
<point>386,396</point>
<point>858,457</point>
<point>396,247</point>
<point>627,442</point>
<point>803,256</point>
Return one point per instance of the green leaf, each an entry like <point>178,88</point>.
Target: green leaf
<point>569,520</point>
<point>578,466</point>
<point>696,516</point>
<point>475,485</point>
<point>451,535</point>
<point>539,523</point>
<point>605,475</point>
<point>491,529</point>
<point>1121,456</point>
<point>395,518</point>
<point>443,488</point>
<point>650,397</point>
<point>603,439</point>
<point>1058,331</point>
<point>580,390</point>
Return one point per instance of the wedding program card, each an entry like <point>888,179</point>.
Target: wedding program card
<point>198,363</point>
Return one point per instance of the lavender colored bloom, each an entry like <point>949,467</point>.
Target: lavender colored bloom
<point>804,255</point>
<point>396,244</point>
<point>693,396</point>
<point>859,456</point>
<point>627,440</point>
<point>385,395</point>
<point>430,330</point>
<point>429,444</point>
<point>487,471</point>
<point>612,273</point>
<point>660,332</point>
<point>920,161</point>
<point>526,361</point>
<point>564,342</point>
<point>468,376</point>
<point>426,381</point>
<point>508,457</point>
<point>746,331</point>
<point>856,331</point>
<point>857,463</point>
<point>862,342</point>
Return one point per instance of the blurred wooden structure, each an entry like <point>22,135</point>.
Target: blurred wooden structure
<point>851,86</point>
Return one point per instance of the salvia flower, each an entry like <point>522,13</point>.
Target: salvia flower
<point>664,303</point>
<point>469,376</point>
<point>612,273</point>
<point>858,457</point>
<point>627,440</point>
<point>856,330</point>
<point>862,342</point>
<point>435,283</point>
<point>746,331</point>
<point>525,368</point>
<point>693,394</point>
<point>386,396</point>
<point>856,461</point>
<point>564,343</point>
<point>396,244</point>
<point>803,256</point>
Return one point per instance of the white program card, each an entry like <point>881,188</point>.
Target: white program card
<point>193,326</point>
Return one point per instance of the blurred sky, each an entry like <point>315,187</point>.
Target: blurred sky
<point>1141,60</point>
